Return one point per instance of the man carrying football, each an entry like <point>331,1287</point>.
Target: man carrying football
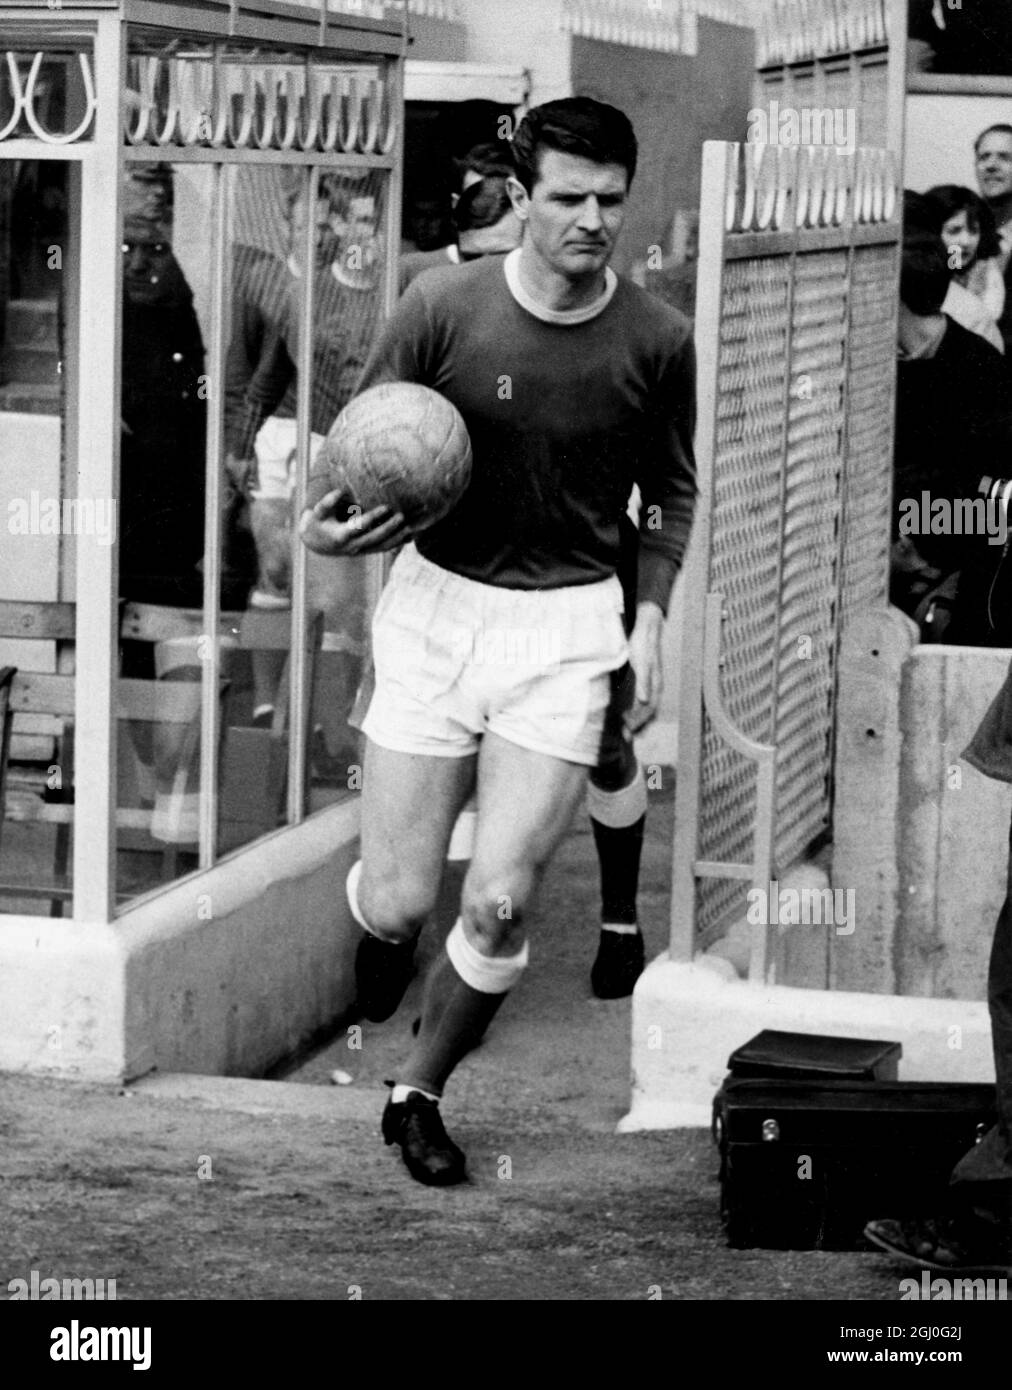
<point>574,386</point>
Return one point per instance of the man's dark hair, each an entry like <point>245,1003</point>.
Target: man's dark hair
<point>335,188</point>
<point>951,199</point>
<point>999,129</point>
<point>482,205</point>
<point>490,160</point>
<point>574,125</point>
<point>924,272</point>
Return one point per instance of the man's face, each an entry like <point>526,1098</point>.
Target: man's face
<point>360,240</point>
<point>574,212</point>
<point>328,231</point>
<point>149,267</point>
<point>994,166</point>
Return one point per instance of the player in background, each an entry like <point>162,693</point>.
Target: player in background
<point>575,386</point>
<point>481,214</point>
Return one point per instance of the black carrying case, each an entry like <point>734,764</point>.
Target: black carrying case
<point>806,1164</point>
<point>803,1056</point>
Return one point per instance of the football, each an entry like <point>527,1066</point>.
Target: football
<point>403,445</point>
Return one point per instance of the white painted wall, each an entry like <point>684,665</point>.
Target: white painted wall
<point>223,973</point>
<point>940,134</point>
<point>525,32</point>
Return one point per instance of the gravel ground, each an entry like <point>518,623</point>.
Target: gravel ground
<point>190,1188</point>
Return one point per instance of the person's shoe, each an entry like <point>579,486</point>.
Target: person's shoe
<point>383,971</point>
<point>942,1245</point>
<point>619,964</point>
<point>429,1153</point>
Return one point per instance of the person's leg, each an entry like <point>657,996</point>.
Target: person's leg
<point>525,803</point>
<point>409,805</point>
<point>617,800</point>
<point>270,512</point>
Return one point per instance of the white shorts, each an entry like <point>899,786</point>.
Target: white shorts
<point>275,448</point>
<point>455,659</point>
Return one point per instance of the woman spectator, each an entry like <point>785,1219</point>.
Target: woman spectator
<point>976,295</point>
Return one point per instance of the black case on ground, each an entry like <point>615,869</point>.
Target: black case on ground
<point>806,1164</point>
<point>803,1056</point>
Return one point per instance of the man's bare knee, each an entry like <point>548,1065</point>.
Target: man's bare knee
<point>494,911</point>
<point>395,910</point>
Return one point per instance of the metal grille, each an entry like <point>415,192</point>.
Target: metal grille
<point>747,484</point>
<point>809,548</point>
<point>873,101</point>
<point>867,485</point>
<point>796,341</point>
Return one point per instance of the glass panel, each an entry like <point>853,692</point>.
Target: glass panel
<point>166,315</point>
<point>347,310</point>
<point>260,440</point>
<point>168,392</point>
<point>261,419</point>
<point>38,232</point>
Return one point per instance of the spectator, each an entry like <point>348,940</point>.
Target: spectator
<point>976,297</point>
<point>953,427</point>
<point>993,154</point>
<point>163,410</point>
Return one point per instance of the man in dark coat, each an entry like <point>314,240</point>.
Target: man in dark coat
<point>162,466</point>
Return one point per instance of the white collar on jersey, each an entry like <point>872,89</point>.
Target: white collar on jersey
<point>296,270</point>
<point>511,269</point>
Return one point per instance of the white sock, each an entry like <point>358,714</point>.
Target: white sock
<point>621,928</point>
<point>399,1094</point>
<point>619,808</point>
<point>486,974</point>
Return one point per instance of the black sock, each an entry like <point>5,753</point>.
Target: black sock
<point>618,854</point>
<point>454,1020</point>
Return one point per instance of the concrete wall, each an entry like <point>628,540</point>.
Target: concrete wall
<point>688,1018</point>
<point>940,131</point>
<point>953,824</point>
<point>920,835</point>
<point>225,973</point>
<point>521,32</point>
